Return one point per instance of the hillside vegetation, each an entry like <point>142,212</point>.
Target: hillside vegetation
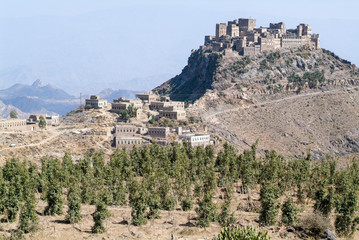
<point>189,188</point>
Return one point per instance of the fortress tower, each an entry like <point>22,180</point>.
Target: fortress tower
<point>247,25</point>
<point>221,30</point>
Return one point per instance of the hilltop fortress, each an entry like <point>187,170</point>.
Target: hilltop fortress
<point>243,36</point>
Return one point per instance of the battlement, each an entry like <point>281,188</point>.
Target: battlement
<point>243,36</point>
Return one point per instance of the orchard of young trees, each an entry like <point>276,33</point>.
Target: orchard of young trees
<point>153,178</point>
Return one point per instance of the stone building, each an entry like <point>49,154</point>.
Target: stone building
<point>94,102</point>
<point>147,97</point>
<point>172,105</point>
<point>243,36</point>
<point>13,124</point>
<point>125,130</point>
<point>158,132</point>
<point>174,114</point>
<point>51,120</point>
<point>123,104</point>
<point>196,140</point>
<point>127,135</point>
<point>121,141</point>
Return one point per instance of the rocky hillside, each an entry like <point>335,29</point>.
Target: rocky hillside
<point>291,101</point>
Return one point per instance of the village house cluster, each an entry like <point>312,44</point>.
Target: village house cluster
<point>147,102</point>
<point>243,36</point>
<point>137,135</point>
<point>148,105</point>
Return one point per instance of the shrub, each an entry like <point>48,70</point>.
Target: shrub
<point>264,65</point>
<point>242,233</point>
<point>273,56</point>
<point>315,225</point>
<point>289,212</point>
<point>152,120</point>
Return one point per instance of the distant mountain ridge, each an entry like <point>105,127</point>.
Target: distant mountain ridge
<point>37,89</point>
<point>45,98</point>
<point>38,98</point>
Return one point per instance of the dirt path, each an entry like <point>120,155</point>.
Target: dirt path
<point>205,117</point>
<point>54,135</point>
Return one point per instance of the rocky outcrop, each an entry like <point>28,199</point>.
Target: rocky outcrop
<point>195,78</point>
<point>291,101</point>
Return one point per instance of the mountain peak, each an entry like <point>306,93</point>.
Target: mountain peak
<point>37,83</point>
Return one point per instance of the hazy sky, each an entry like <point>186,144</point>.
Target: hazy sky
<point>345,9</point>
<point>88,45</point>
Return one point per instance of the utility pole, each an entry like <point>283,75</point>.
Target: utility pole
<point>81,108</point>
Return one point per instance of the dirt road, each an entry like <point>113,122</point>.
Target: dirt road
<point>54,134</point>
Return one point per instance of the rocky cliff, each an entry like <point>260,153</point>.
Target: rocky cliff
<point>196,78</point>
<point>291,101</point>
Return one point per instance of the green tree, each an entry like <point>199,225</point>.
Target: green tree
<point>15,181</point>
<point>42,122</point>
<point>152,120</point>
<point>270,206</point>
<point>74,204</point>
<point>28,218</point>
<point>13,114</point>
<point>226,217</point>
<point>124,114</point>
<point>346,220</point>
<point>138,202</point>
<point>99,217</point>
<point>300,170</point>
<point>11,202</point>
<point>54,199</point>
<point>67,169</point>
<point>132,111</point>
<point>248,166</point>
<point>207,210</point>
<point>289,212</point>
<point>324,203</point>
<point>226,164</point>
<point>50,172</point>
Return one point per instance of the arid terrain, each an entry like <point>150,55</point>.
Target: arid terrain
<point>76,134</point>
